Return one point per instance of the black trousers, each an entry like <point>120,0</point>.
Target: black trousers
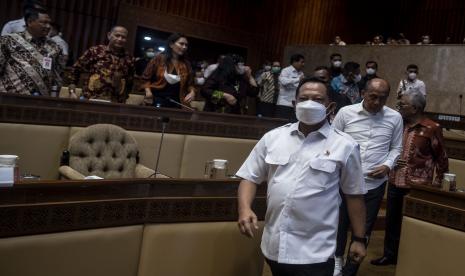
<point>373,199</point>
<point>395,201</point>
<point>285,112</point>
<point>266,109</point>
<point>319,269</point>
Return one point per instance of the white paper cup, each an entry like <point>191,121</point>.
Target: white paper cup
<point>8,160</point>
<point>219,163</point>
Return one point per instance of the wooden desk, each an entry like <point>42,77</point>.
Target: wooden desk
<point>436,206</point>
<point>56,206</point>
<point>432,237</point>
<point>23,109</point>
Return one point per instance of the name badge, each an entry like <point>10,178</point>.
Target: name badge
<point>47,63</point>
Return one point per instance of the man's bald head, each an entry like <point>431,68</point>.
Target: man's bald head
<point>379,84</point>
<point>375,95</point>
<point>118,28</point>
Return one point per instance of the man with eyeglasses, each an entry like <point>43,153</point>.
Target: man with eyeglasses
<point>422,156</point>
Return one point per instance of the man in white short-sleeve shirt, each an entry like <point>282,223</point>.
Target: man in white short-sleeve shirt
<point>288,80</point>
<point>378,130</point>
<point>305,164</point>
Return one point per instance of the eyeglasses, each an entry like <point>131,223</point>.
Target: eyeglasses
<point>399,104</point>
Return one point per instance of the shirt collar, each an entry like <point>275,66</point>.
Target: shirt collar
<point>361,110</point>
<point>29,38</point>
<point>293,69</point>
<point>324,130</point>
<point>120,53</point>
<point>423,122</point>
<point>343,79</point>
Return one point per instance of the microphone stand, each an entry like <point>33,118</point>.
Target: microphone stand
<point>164,121</point>
<point>180,104</point>
<point>460,106</point>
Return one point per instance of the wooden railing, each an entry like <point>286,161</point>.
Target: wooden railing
<point>56,206</point>
<point>436,206</point>
<point>68,112</point>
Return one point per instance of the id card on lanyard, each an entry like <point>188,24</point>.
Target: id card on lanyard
<point>47,63</point>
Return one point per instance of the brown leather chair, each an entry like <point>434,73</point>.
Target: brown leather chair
<point>104,150</point>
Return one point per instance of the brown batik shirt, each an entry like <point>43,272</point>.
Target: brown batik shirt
<point>22,68</point>
<point>423,152</point>
<point>111,74</point>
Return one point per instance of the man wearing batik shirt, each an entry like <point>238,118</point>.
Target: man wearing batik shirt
<point>111,69</point>
<point>19,25</point>
<point>423,153</point>
<point>30,63</point>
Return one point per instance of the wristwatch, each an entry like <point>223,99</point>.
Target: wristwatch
<point>363,240</point>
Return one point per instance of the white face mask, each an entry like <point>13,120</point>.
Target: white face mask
<point>310,112</point>
<point>240,69</point>
<point>200,81</point>
<point>172,79</point>
<point>337,63</point>
<point>357,78</point>
<point>150,54</point>
<point>371,71</point>
<point>412,76</point>
<point>267,68</point>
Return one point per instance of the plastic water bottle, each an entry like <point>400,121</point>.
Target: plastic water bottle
<point>54,91</point>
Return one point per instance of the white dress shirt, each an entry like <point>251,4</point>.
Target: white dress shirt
<point>288,81</point>
<point>304,175</point>
<point>209,70</point>
<point>62,43</point>
<point>14,26</point>
<point>379,136</point>
<point>417,84</point>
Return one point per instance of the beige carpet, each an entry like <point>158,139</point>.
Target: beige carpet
<point>375,250</point>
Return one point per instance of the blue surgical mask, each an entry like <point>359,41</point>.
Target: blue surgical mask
<point>275,69</point>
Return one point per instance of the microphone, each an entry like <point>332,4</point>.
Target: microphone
<point>164,123</point>
<point>460,106</point>
<point>180,104</point>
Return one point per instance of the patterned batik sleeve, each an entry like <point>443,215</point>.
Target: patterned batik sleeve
<point>3,53</point>
<point>130,77</point>
<point>440,156</point>
<point>81,65</point>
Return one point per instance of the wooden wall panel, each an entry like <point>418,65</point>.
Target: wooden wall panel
<point>438,18</point>
<point>274,23</point>
<point>235,14</point>
<point>303,22</point>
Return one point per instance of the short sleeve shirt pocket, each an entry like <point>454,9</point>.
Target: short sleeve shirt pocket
<point>321,172</point>
<point>277,163</point>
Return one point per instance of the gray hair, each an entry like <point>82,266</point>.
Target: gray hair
<point>417,99</point>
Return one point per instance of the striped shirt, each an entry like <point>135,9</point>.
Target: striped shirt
<point>269,87</point>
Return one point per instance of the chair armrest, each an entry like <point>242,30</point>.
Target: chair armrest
<point>70,173</point>
<point>144,172</point>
